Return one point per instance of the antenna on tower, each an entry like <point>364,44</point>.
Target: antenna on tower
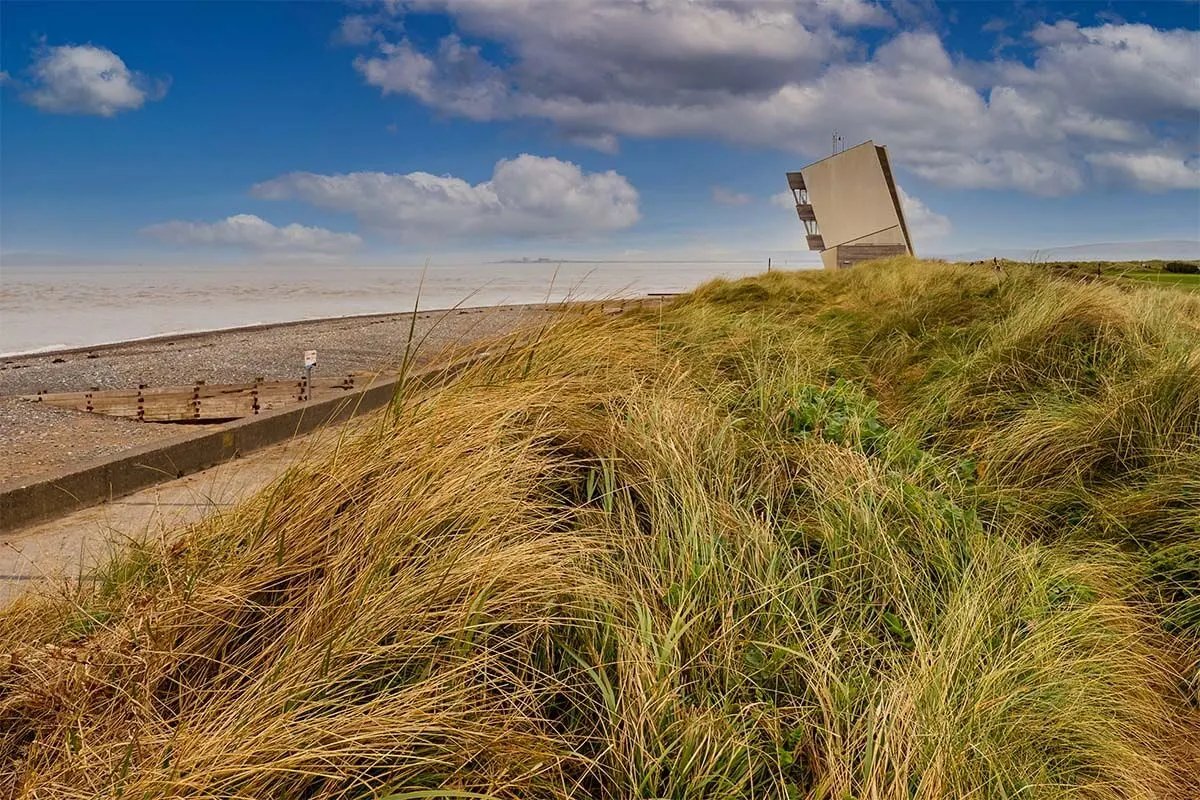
<point>839,143</point>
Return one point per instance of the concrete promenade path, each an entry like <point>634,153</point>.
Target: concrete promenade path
<point>51,555</point>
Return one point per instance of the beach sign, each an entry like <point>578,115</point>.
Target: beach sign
<point>310,359</point>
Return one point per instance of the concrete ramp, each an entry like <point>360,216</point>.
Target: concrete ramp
<point>52,556</point>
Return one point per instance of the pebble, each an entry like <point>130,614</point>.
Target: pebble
<point>36,438</point>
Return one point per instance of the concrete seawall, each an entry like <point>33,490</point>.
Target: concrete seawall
<point>39,497</point>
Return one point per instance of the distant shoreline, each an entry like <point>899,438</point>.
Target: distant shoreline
<point>541,262</point>
<point>159,338</point>
<point>49,313</point>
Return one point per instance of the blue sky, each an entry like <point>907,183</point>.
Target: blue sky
<point>367,131</point>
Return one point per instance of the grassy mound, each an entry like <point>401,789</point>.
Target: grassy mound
<point>907,530</point>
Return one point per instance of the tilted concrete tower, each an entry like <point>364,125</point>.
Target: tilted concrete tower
<point>850,208</point>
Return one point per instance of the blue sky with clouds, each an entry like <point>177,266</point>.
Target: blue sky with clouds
<point>364,131</point>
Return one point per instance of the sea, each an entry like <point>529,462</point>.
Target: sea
<point>45,308</point>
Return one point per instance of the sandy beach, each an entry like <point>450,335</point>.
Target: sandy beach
<point>35,438</point>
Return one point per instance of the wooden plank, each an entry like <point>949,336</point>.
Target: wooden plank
<point>200,401</point>
<point>851,254</point>
<point>72,399</point>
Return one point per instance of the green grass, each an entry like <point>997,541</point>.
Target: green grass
<point>1151,272</point>
<point>902,531</point>
<point>1191,282</point>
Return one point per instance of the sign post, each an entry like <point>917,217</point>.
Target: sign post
<point>310,361</point>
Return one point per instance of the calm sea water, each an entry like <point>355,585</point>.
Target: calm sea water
<point>45,308</point>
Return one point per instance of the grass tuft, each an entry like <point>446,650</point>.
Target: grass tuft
<point>906,530</point>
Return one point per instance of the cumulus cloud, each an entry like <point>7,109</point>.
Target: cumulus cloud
<point>86,79</point>
<point>1150,172</point>
<point>355,29</point>
<point>528,196</point>
<point>784,199</point>
<point>616,48</point>
<point>924,225</point>
<point>728,197</point>
<point>457,79</point>
<point>604,142</point>
<point>1126,71</point>
<point>254,233</point>
<point>771,73</point>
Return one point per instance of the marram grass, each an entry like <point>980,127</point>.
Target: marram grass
<point>903,531</point>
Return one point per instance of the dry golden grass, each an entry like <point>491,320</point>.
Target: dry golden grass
<point>903,531</point>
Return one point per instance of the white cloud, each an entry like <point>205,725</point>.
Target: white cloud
<point>728,197</point>
<point>603,142</point>
<point>784,199</point>
<point>86,79</point>
<point>663,46</point>
<point>254,233</point>
<point>767,73</point>
<point>527,196</point>
<point>355,29</point>
<point>476,89</point>
<point>1150,172</point>
<point>923,224</point>
<point>1124,71</point>
<point>601,51</point>
<point>5,78</point>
